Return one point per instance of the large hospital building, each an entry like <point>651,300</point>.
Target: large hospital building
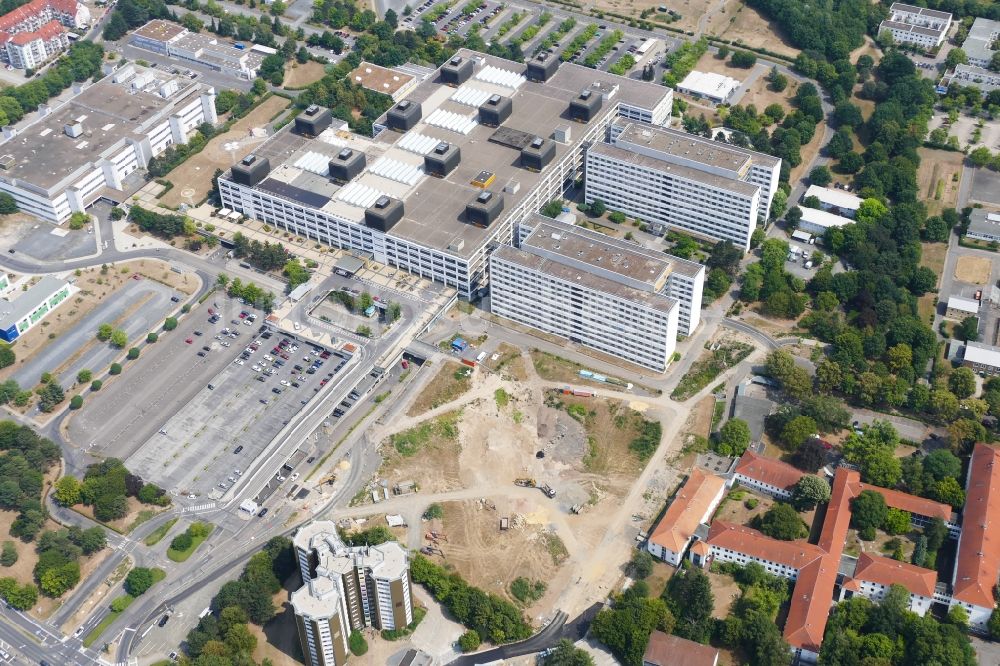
<point>78,151</point>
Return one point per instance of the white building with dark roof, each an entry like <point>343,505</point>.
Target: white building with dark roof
<point>984,226</point>
<point>714,87</point>
<point>916,25</point>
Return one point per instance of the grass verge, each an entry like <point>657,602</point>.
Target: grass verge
<point>157,535</point>
<point>183,555</point>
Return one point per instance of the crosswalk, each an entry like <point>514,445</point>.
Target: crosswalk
<point>200,507</point>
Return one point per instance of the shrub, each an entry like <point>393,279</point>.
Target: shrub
<point>469,641</point>
<point>434,511</point>
<point>169,324</point>
<point>76,402</point>
<point>182,541</point>
<point>152,337</point>
<point>527,591</point>
<point>138,581</point>
<point>8,555</point>
<point>115,369</point>
<point>133,353</point>
<point>84,376</point>
<point>357,643</point>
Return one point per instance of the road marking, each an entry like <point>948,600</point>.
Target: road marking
<point>200,507</point>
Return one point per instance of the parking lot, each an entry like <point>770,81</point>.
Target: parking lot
<point>141,305</point>
<point>205,446</point>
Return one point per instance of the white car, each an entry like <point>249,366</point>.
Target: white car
<point>285,383</point>
<point>239,361</point>
<point>247,322</point>
<point>279,478</point>
<point>224,343</point>
<point>298,326</point>
<point>294,476</point>
<point>268,357</point>
<point>251,350</point>
<point>237,472</point>
<point>272,371</point>
<point>256,368</point>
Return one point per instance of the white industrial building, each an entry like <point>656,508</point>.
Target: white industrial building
<point>960,307</point>
<point>984,226</point>
<point>668,177</point>
<point>909,24</point>
<point>605,293</point>
<point>80,150</point>
<point>978,44</point>
<point>708,85</point>
<point>223,55</point>
<point>816,221</point>
<point>834,200</point>
<point>452,169</point>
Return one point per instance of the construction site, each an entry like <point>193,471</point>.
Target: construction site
<point>524,477</point>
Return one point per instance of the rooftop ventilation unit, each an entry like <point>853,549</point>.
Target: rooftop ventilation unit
<point>251,170</point>
<point>384,213</point>
<point>456,71</point>
<point>542,67</point>
<point>401,172</point>
<point>73,130</point>
<point>537,154</point>
<point>501,77</point>
<point>443,160</point>
<point>312,124</point>
<point>347,165</point>
<point>484,209</point>
<point>585,107</point>
<point>471,96</point>
<point>404,116</point>
<point>495,111</point>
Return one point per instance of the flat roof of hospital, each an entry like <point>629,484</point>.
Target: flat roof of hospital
<point>609,254</point>
<point>573,275</point>
<point>434,207</point>
<point>43,156</point>
<point>160,30</point>
<point>380,79</point>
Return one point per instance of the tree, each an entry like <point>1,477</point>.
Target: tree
<point>820,176</point>
<point>868,512</point>
<point>567,654</point>
<point>50,395</point>
<point>734,437</point>
<point>169,324</point>
<point>7,204</point>
<point>359,645</point>
<point>133,353</point>
<point>119,338</point>
<point>641,565</point>
<point>67,491</point>
<point>151,337</point>
<point>690,600</point>
<point>76,402</point>
<point>798,430</point>
<point>743,59</point>
<point>625,628</point>
<point>138,581</point>
<point>469,641</point>
<point>104,332</point>
<point>810,456</point>
<point>956,57</point>
<point>810,491</point>
<point>8,555</point>
<point>181,542</point>
<point>948,491</point>
<point>968,330</point>
<point>7,356</point>
<point>597,208</point>
<point>962,382</point>
<point>115,369</point>
<point>897,521</point>
<point>941,464</point>
<point>782,522</point>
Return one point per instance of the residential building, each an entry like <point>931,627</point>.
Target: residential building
<point>728,542</point>
<point>452,169</point>
<point>714,87</point>
<point>321,620</point>
<point>978,44</point>
<point>19,315</point>
<point>834,200</point>
<point>959,307</point>
<point>977,564</point>
<point>667,177</point>
<point>984,226</point>
<point>609,294</point>
<point>87,147</point>
<point>766,475</point>
<point>971,76</point>
<point>38,31</point>
<point>816,221</point>
<point>916,25</point>
<point>693,505</point>
<point>874,574</point>
<point>383,80</point>
<point>217,53</point>
<point>981,358</point>
<point>669,650</point>
<point>373,580</point>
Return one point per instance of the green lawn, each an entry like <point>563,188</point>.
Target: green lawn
<point>183,555</point>
<point>157,535</point>
<point>106,622</point>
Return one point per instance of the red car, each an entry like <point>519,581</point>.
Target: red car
<point>284,356</point>
<point>243,315</point>
<point>323,383</point>
<point>189,340</point>
<point>211,311</point>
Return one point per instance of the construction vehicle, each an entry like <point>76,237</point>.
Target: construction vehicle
<point>434,536</point>
<point>525,483</point>
<point>576,508</point>
<point>328,479</point>
<point>548,490</point>
<point>504,523</point>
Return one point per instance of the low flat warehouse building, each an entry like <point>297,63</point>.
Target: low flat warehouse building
<point>87,147</point>
<point>668,177</point>
<point>31,307</point>
<point>984,226</point>
<point>598,291</point>
<point>960,308</point>
<point>452,169</point>
<point>176,41</point>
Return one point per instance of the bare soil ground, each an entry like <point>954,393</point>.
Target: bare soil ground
<point>492,559</point>
<point>932,255</point>
<point>974,270</point>
<point>451,381</point>
<point>100,593</point>
<point>734,509</point>
<point>298,75</point>
<point>94,288</point>
<point>761,96</point>
<point>726,591</point>
<point>124,525</point>
<point>744,25</point>
<point>193,179</point>
<point>937,172</point>
<point>510,363</point>
<point>434,462</point>
<point>558,369</point>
